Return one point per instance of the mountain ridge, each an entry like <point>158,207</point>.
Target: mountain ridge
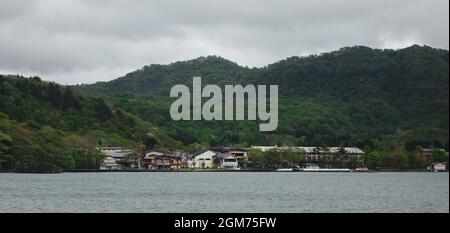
<point>384,101</point>
<point>218,58</point>
<point>369,93</point>
<point>232,68</point>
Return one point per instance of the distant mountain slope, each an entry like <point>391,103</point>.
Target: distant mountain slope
<point>347,73</point>
<point>356,95</point>
<point>46,126</point>
<point>158,79</point>
<point>410,83</point>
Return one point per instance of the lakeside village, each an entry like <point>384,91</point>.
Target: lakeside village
<point>255,158</point>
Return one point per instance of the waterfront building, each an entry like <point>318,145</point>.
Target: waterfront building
<point>158,160</point>
<point>166,162</point>
<point>318,153</point>
<point>184,157</point>
<point>204,159</point>
<point>227,161</point>
<point>427,154</point>
<point>240,154</point>
<point>109,163</point>
<point>115,158</point>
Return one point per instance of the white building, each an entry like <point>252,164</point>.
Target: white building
<point>230,162</point>
<point>227,160</point>
<point>315,153</point>
<point>115,157</point>
<point>204,159</point>
<point>110,164</point>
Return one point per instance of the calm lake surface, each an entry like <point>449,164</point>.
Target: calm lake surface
<point>225,192</point>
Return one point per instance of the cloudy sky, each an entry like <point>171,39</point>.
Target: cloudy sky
<point>84,41</point>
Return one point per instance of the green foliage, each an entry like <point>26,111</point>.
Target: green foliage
<point>354,96</point>
<point>45,126</point>
<point>398,158</point>
<point>373,160</point>
<point>440,155</point>
<point>275,158</point>
<point>5,145</point>
<point>388,101</point>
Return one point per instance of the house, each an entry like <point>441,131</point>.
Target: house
<point>109,163</point>
<point>148,160</point>
<point>317,153</point>
<point>116,157</point>
<point>227,161</point>
<point>218,157</point>
<point>184,157</point>
<point>203,159</point>
<point>426,153</point>
<point>241,154</point>
<point>166,162</point>
<point>157,160</point>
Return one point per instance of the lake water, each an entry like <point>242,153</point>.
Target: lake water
<point>225,192</point>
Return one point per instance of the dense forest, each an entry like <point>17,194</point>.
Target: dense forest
<point>387,102</point>
<point>354,96</point>
<point>46,126</point>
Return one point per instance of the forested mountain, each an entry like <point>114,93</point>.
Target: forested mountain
<point>46,126</point>
<point>385,101</point>
<point>353,96</point>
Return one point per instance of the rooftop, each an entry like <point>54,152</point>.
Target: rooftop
<point>312,149</point>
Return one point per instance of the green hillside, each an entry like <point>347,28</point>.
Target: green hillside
<point>353,96</point>
<point>387,102</point>
<point>46,126</point>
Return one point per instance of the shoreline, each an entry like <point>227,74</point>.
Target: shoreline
<point>203,170</point>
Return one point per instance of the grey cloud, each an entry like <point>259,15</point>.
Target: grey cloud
<point>83,41</point>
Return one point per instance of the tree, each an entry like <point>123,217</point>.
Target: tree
<point>69,100</point>
<point>5,157</point>
<point>54,94</point>
<point>398,159</point>
<point>272,158</point>
<point>293,157</point>
<point>192,148</point>
<point>419,160</point>
<point>104,112</point>
<point>66,161</point>
<point>150,141</point>
<point>439,155</point>
<point>255,157</point>
<point>373,160</point>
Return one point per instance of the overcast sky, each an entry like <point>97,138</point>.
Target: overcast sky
<point>84,41</point>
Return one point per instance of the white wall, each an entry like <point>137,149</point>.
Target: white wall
<point>207,157</point>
